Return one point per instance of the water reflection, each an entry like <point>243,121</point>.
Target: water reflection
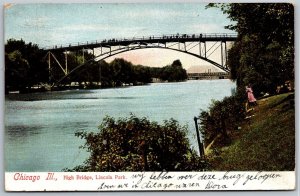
<point>22,130</point>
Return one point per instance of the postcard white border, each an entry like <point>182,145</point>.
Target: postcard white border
<point>288,176</point>
<point>149,181</point>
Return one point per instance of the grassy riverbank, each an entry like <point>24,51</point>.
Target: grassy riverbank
<point>266,141</point>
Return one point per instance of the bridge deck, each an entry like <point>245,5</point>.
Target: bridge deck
<point>182,38</point>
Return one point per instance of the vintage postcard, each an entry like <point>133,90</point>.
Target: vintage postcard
<point>149,97</point>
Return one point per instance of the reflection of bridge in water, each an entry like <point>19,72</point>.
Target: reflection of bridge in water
<point>192,44</point>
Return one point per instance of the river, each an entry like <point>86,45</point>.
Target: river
<point>40,127</point>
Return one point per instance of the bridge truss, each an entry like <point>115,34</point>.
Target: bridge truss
<point>202,46</point>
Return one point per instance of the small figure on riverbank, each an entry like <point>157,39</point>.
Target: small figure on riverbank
<point>251,98</point>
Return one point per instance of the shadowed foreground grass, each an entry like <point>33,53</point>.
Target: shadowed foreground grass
<point>265,142</point>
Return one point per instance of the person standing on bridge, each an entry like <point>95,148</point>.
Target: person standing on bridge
<point>251,98</point>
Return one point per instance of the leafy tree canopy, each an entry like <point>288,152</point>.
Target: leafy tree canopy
<point>263,55</point>
<point>24,65</point>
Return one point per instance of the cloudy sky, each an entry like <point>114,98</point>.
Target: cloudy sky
<point>56,24</point>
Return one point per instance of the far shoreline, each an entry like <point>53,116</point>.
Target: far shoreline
<point>43,89</point>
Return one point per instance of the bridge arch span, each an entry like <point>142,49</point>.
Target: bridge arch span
<point>109,54</point>
<point>118,46</point>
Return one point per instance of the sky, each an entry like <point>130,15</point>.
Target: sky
<point>56,24</point>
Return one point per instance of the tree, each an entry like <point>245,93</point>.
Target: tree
<point>142,74</point>
<point>16,71</point>
<point>122,71</point>
<point>264,51</point>
<point>173,72</point>
<point>179,74</point>
<point>105,74</point>
<point>265,38</point>
<point>136,144</point>
<point>24,65</point>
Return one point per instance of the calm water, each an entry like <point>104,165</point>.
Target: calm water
<point>39,127</point>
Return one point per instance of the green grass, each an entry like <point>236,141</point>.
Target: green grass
<point>266,142</point>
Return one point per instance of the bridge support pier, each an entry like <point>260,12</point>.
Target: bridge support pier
<point>65,70</point>
<point>66,61</point>
<point>204,49</point>
<point>200,48</point>
<point>226,56</point>
<point>49,65</point>
<point>83,55</point>
<point>222,58</point>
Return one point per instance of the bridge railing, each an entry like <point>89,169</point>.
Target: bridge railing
<point>151,37</point>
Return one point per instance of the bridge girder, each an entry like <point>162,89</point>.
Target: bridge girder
<point>126,45</point>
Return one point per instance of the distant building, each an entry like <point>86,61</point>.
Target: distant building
<point>206,72</point>
<point>156,80</point>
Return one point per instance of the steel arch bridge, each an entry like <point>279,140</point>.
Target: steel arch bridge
<point>177,42</point>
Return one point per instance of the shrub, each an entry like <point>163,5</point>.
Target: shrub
<point>221,117</point>
<point>136,144</point>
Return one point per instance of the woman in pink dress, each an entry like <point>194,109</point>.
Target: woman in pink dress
<point>251,98</point>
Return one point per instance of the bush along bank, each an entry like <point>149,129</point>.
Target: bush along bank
<point>261,139</point>
<point>137,144</point>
